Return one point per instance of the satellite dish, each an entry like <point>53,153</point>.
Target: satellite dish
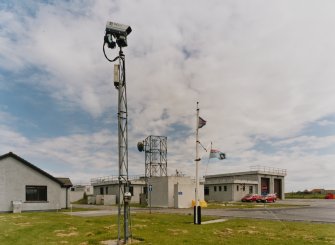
<point>140,146</point>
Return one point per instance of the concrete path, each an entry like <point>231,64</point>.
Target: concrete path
<point>213,221</point>
<point>93,213</point>
<point>318,210</point>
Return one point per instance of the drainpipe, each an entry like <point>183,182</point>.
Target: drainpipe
<point>66,198</point>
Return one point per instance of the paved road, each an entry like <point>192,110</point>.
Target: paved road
<point>322,211</point>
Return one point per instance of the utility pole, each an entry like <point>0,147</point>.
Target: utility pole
<point>197,214</point>
<point>117,34</point>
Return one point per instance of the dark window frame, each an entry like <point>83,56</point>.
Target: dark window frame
<point>36,193</point>
<point>131,190</point>
<point>215,188</point>
<point>206,190</point>
<point>224,188</point>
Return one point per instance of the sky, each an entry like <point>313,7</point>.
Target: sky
<point>262,72</point>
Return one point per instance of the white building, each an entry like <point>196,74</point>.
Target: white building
<point>234,186</point>
<point>29,186</point>
<point>109,185</point>
<point>77,192</point>
<point>173,191</point>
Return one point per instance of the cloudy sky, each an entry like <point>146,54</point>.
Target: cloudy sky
<point>263,72</point>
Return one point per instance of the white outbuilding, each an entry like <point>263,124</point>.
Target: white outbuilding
<point>173,191</point>
<point>25,187</point>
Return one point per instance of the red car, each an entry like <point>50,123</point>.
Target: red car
<point>251,198</point>
<point>330,196</point>
<point>268,198</point>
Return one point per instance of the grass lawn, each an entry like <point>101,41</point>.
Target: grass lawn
<point>58,228</point>
<point>304,196</point>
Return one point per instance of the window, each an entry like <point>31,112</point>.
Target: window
<point>101,190</point>
<point>224,188</point>
<point>206,190</point>
<point>36,193</point>
<point>214,188</point>
<point>243,187</point>
<point>131,190</point>
<point>251,189</point>
<point>107,190</point>
<point>220,188</point>
<point>237,188</point>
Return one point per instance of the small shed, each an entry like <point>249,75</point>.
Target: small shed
<point>173,191</point>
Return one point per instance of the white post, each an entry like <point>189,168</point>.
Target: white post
<point>197,160</point>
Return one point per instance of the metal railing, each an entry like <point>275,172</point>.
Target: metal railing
<point>269,170</point>
<point>112,179</point>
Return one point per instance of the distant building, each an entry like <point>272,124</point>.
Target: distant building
<point>318,191</point>
<point>233,186</point>
<point>110,186</point>
<point>77,192</point>
<point>30,187</point>
<point>322,191</point>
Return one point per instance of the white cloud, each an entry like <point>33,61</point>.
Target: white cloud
<point>326,123</point>
<point>259,69</point>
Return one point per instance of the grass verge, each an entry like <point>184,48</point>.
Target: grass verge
<point>58,228</point>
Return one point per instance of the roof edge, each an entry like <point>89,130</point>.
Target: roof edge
<point>28,164</point>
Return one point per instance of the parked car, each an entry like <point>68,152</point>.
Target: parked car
<point>251,198</point>
<point>330,196</point>
<point>268,198</point>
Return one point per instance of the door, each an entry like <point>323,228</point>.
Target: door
<point>277,187</point>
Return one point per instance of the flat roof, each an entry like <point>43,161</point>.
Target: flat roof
<point>257,172</point>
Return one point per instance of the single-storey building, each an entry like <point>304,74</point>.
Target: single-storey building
<point>77,192</point>
<point>234,186</point>
<point>30,187</point>
<point>173,191</point>
<point>109,185</point>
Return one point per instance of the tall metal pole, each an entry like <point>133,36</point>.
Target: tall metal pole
<point>197,160</point>
<point>116,34</point>
<point>123,149</point>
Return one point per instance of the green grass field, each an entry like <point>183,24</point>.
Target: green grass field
<point>58,228</point>
<point>304,196</point>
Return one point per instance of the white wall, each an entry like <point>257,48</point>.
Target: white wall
<point>14,176</point>
<point>163,191</point>
<point>159,193</point>
<point>184,194</point>
<point>113,189</point>
<point>76,195</point>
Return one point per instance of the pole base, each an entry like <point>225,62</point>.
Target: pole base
<point>197,216</point>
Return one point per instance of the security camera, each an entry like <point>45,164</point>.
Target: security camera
<point>127,194</point>
<point>119,32</point>
<point>116,28</point>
